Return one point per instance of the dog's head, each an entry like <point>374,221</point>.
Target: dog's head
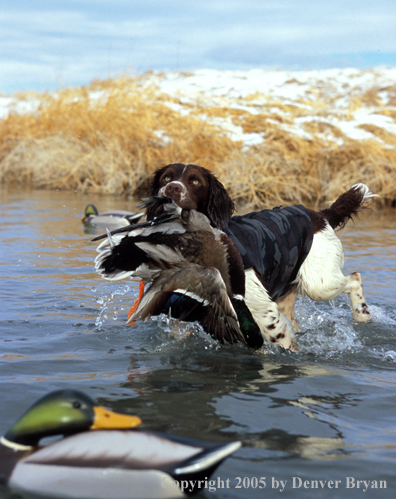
<point>195,188</point>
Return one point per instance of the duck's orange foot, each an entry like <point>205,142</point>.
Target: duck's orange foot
<point>135,305</point>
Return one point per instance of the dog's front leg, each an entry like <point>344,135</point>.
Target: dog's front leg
<point>274,326</point>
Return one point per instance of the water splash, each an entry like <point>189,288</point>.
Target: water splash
<point>175,335</point>
<point>383,315</point>
<point>329,332</point>
<point>326,329</point>
<point>390,356</point>
<point>108,306</point>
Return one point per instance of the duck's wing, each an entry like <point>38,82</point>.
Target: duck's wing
<point>153,246</point>
<point>128,464</point>
<point>205,288</point>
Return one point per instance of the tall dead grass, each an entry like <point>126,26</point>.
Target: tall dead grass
<point>110,136</point>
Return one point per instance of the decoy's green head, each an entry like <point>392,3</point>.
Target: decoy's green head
<point>65,412</point>
<point>90,211</point>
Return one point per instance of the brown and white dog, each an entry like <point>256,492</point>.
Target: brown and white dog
<point>285,251</point>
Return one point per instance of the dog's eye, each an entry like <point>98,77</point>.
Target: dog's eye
<point>167,178</point>
<point>195,181</point>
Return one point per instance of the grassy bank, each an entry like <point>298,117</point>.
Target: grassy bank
<point>111,135</point>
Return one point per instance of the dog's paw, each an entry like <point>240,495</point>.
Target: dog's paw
<point>282,334</point>
<point>294,346</point>
<point>362,313</point>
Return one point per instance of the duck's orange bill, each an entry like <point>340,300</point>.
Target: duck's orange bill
<point>105,418</point>
<point>136,303</point>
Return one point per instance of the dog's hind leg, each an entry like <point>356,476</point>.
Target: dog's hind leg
<point>286,306</point>
<point>354,288</point>
<point>274,326</point>
<point>320,276</point>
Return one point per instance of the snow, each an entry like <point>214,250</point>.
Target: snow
<point>321,95</point>
<point>16,105</point>
<point>332,96</point>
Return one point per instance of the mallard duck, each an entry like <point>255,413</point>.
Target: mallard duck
<point>194,271</point>
<point>100,455</point>
<point>112,219</point>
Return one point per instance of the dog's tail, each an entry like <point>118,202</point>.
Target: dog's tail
<point>348,205</point>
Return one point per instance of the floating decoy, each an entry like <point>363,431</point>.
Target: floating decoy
<point>100,455</point>
<point>195,272</point>
<point>111,219</point>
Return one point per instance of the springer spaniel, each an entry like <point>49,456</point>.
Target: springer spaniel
<point>285,251</point>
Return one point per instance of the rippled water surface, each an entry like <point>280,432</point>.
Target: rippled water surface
<point>326,413</point>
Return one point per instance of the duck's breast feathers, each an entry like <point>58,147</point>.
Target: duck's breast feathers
<point>195,221</point>
<point>92,483</point>
<point>9,458</point>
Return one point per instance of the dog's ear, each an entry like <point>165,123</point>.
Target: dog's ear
<point>152,190</point>
<point>154,184</point>
<point>220,206</point>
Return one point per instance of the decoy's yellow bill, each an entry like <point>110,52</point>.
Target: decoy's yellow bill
<point>104,418</point>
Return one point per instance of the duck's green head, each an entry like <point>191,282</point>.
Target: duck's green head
<point>65,412</point>
<point>90,211</point>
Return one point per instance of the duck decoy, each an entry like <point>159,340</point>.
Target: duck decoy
<point>112,219</point>
<point>100,455</point>
<point>194,270</point>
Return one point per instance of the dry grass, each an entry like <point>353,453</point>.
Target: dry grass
<point>110,136</point>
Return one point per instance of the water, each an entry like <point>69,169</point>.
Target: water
<point>327,413</point>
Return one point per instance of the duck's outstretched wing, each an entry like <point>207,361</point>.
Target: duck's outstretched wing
<point>154,246</point>
<point>205,288</point>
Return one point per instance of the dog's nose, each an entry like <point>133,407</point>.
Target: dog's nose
<point>173,188</point>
